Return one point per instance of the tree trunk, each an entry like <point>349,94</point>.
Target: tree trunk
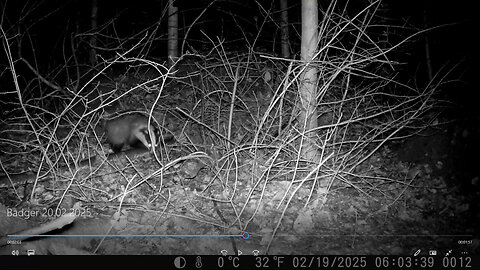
<point>93,38</point>
<point>428,59</point>
<point>308,85</point>
<point>284,28</point>
<point>172,33</point>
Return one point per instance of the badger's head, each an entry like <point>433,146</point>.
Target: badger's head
<point>149,136</point>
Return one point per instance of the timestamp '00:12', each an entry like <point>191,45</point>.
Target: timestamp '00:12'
<point>460,262</point>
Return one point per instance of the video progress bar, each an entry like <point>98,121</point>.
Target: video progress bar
<point>245,235</point>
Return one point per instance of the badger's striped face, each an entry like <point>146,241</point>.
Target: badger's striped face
<point>148,137</point>
<point>153,136</point>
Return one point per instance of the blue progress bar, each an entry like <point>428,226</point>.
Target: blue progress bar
<point>245,235</point>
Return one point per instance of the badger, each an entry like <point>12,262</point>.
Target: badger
<point>131,130</point>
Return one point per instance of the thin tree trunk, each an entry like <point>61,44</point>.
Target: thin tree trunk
<point>428,59</point>
<point>93,38</point>
<point>308,85</point>
<point>172,33</point>
<point>284,28</point>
